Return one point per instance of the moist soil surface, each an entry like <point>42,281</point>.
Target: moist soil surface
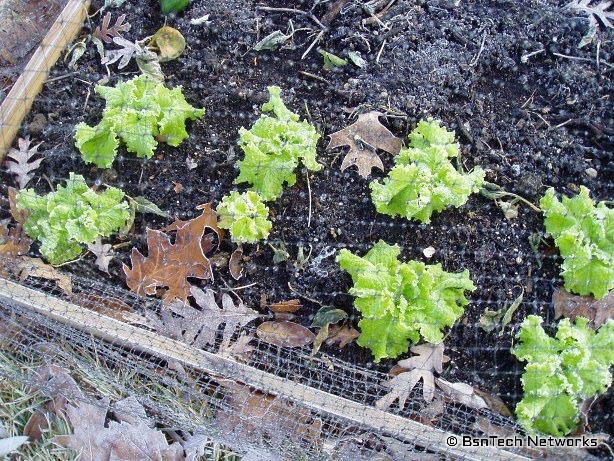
<point>526,103</point>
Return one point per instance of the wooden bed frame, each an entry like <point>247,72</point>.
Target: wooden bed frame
<point>12,113</point>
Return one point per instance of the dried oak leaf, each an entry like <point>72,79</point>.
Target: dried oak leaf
<point>20,163</point>
<point>572,306</point>
<point>13,243</point>
<point>119,441</point>
<point>106,33</point>
<point>170,265</point>
<point>199,327</point>
<point>35,267</point>
<point>103,253</point>
<point>364,137</point>
<point>341,335</point>
<point>429,357</point>
<point>251,413</point>
<point>283,333</point>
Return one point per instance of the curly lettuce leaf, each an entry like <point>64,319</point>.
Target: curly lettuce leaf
<point>245,216</point>
<point>402,302</point>
<point>584,233</point>
<point>140,112</point>
<point>561,372</point>
<point>274,146</point>
<point>72,216</point>
<point>423,180</point>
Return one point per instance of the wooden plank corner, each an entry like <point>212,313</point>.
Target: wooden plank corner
<point>19,101</point>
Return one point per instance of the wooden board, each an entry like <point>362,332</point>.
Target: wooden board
<point>18,102</point>
<point>136,338</point>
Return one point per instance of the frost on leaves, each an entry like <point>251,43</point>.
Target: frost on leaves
<point>364,137</point>
<point>199,327</point>
<point>106,32</point>
<point>20,163</point>
<point>169,265</point>
<point>420,367</point>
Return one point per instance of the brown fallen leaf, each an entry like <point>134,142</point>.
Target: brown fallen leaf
<point>199,327</point>
<point>19,161</point>
<point>462,393</point>
<point>13,243</point>
<point>341,335</point>
<point>283,307</point>
<point>37,424</point>
<point>234,264</point>
<point>117,441</point>
<point>283,333</point>
<point>572,306</point>
<point>103,253</point>
<point>19,216</point>
<point>252,413</point>
<point>429,358</point>
<point>35,267</point>
<point>107,34</point>
<point>240,350</point>
<point>170,265</point>
<point>494,402</point>
<point>364,137</point>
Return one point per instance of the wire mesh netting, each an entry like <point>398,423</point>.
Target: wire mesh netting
<point>198,378</point>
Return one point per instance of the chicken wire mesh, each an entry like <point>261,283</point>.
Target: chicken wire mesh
<point>260,400</point>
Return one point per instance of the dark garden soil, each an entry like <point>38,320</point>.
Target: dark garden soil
<point>536,122</point>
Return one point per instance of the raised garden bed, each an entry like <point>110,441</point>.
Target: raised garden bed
<point>526,104</point>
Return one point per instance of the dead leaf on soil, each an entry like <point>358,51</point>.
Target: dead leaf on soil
<point>19,216</point>
<point>19,161</point>
<point>462,393</point>
<point>109,306</point>
<point>103,253</point>
<point>284,333</point>
<point>572,306</point>
<point>240,350</point>
<point>107,33</point>
<point>37,424</point>
<point>494,402</point>
<point>169,42</point>
<point>323,319</point>
<point>199,327</point>
<point>169,265</point>
<point>428,358</point>
<point>116,442</point>
<point>252,412</point>
<point>235,266</point>
<point>341,335</point>
<point>286,307</point>
<point>364,137</point>
<point>35,267</point>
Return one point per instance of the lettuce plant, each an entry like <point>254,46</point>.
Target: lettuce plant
<point>584,233</point>
<point>72,216</point>
<point>140,112</point>
<point>245,216</point>
<point>423,180</point>
<point>561,372</point>
<point>401,302</point>
<point>273,148</point>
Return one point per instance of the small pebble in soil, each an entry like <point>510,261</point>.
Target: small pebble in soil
<point>429,252</point>
<point>591,172</point>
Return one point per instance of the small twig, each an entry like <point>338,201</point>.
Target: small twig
<point>309,190</point>
<point>316,40</point>
<point>525,57</point>
<point>579,58</point>
<point>60,77</point>
<point>314,76</point>
<point>379,53</point>
<point>293,10</point>
<point>293,290</point>
<point>475,60</point>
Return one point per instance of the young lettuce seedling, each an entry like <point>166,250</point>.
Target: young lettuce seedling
<point>141,112</point>
<point>245,216</point>
<point>561,372</point>
<point>401,302</point>
<point>71,217</point>
<point>423,180</point>
<point>273,147</point>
